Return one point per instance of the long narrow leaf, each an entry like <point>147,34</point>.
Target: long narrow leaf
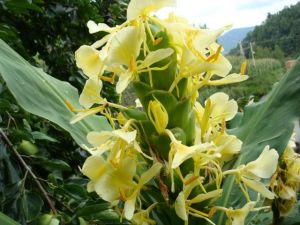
<point>43,95</point>
<point>5,220</point>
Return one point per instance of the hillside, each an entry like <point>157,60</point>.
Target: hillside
<point>279,34</point>
<point>230,39</point>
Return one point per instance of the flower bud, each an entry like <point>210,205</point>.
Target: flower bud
<point>158,115</point>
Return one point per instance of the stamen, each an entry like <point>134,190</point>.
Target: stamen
<point>215,56</point>
<point>243,68</point>
<point>189,181</point>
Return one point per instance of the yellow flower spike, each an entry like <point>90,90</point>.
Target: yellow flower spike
<point>243,68</point>
<point>158,115</point>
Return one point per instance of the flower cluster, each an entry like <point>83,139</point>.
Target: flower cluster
<point>173,143</point>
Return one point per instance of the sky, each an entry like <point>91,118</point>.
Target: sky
<point>217,13</point>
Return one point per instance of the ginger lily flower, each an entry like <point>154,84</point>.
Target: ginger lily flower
<point>238,216</point>
<point>142,217</point>
<point>91,93</point>
<point>251,174</point>
<point>129,206</point>
<point>124,49</point>
<point>107,179</point>
<point>90,61</point>
<point>183,205</point>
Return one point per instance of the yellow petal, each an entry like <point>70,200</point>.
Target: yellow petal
<point>83,115</point>
<point>205,37</point>
<point>91,93</point>
<point>229,79</point>
<point>182,152</point>
<point>204,197</point>
<point>180,207</point>
<point>124,46</point>
<point>228,146</point>
<point>138,8</point>
<point>155,56</point>
<point>222,107</point>
<point>129,208</point>
<point>149,174</point>
<point>258,187</point>
<point>238,216</point>
<point>123,82</point>
<point>265,165</point>
<point>98,138</point>
<point>115,179</point>
<point>94,28</point>
<point>88,59</point>
<point>93,167</point>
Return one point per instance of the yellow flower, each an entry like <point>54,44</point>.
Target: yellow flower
<point>130,202</point>
<point>222,109</point>
<point>238,216</point>
<point>264,166</point>
<point>158,115</point>
<point>91,93</point>
<point>251,174</point>
<point>183,204</point>
<point>90,61</point>
<point>182,152</point>
<point>123,51</point>
<point>107,179</point>
<point>227,145</point>
<point>142,217</point>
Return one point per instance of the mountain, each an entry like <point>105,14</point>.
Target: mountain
<point>230,39</point>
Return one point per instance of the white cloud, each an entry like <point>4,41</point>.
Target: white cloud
<point>217,13</point>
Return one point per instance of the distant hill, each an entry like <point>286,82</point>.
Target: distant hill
<point>278,36</point>
<point>230,39</point>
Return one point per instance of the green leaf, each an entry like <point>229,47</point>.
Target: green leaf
<point>41,136</point>
<point>268,122</point>
<point>52,164</point>
<point>43,95</point>
<point>7,220</point>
